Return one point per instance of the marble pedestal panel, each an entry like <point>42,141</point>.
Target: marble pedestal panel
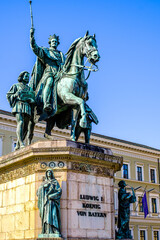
<point>85,173</point>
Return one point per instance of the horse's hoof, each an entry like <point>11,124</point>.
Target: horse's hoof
<point>48,136</point>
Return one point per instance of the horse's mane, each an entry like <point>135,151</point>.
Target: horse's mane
<point>69,54</point>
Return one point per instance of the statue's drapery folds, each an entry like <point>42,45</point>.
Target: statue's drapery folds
<point>125,199</point>
<point>49,194</point>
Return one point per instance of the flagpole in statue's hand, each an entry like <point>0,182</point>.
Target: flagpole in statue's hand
<point>32,27</point>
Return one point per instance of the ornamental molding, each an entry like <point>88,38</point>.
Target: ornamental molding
<point>134,155</point>
<point>110,159</point>
<point>35,153</point>
<point>115,144</point>
<point>94,169</point>
<point>12,128</point>
<point>66,150</point>
<point>19,172</point>
<point>9,161</point>
<point>7,128</point>
<point>23,171</point>
<point>52,158</point>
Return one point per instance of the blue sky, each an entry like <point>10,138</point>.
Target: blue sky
<point>125,92</point>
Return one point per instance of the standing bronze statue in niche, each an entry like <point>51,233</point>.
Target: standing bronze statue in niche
<point>124,211</point>
<point>49,194</point>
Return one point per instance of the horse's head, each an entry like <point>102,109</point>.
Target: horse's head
<point>90,48</point>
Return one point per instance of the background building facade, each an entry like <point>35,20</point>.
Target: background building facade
<point>140,170</point>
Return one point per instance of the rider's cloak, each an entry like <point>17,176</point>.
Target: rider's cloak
<point>39,76</point>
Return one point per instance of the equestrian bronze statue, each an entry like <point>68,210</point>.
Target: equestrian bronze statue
<point>60,86</point>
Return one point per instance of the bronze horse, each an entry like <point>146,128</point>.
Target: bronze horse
<point>71,86</point>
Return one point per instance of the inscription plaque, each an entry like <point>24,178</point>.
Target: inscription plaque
<point>93,206</point>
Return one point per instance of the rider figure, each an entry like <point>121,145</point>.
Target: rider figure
<point>49,62</point>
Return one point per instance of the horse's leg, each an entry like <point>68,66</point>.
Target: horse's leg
<point>49,126</point>
<point>71,99</point>
<point>74,123</point>
<point>78,131</point>
<point>87,134</point>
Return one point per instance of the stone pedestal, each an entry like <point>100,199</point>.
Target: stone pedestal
<point>49,238</point>
<point>85,173</point>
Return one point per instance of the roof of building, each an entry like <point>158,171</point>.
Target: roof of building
<point>103,136</point>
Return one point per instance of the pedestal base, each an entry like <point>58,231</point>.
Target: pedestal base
<point>85,174</point>
<point>49,236</point>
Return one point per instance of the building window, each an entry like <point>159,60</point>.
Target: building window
<point>155,235</point>
<point>142,235</point>
<point>139,173</point>
<point>154,205</point>
<point>153,175</point>
<point>125,171</point>
<point>140,205</point>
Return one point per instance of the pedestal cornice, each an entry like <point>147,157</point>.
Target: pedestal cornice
<point>59,154</point>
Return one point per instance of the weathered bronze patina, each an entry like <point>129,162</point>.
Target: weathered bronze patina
<point>49,194</point>
<point>124,211</point>
<point>21,98</point>
<point>60,87</point>
<point>77,129</point>
<point>49,62</point>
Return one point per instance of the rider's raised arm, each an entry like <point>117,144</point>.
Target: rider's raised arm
<point>36,49</point>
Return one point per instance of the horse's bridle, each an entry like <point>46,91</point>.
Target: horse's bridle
<point>84,67</point>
